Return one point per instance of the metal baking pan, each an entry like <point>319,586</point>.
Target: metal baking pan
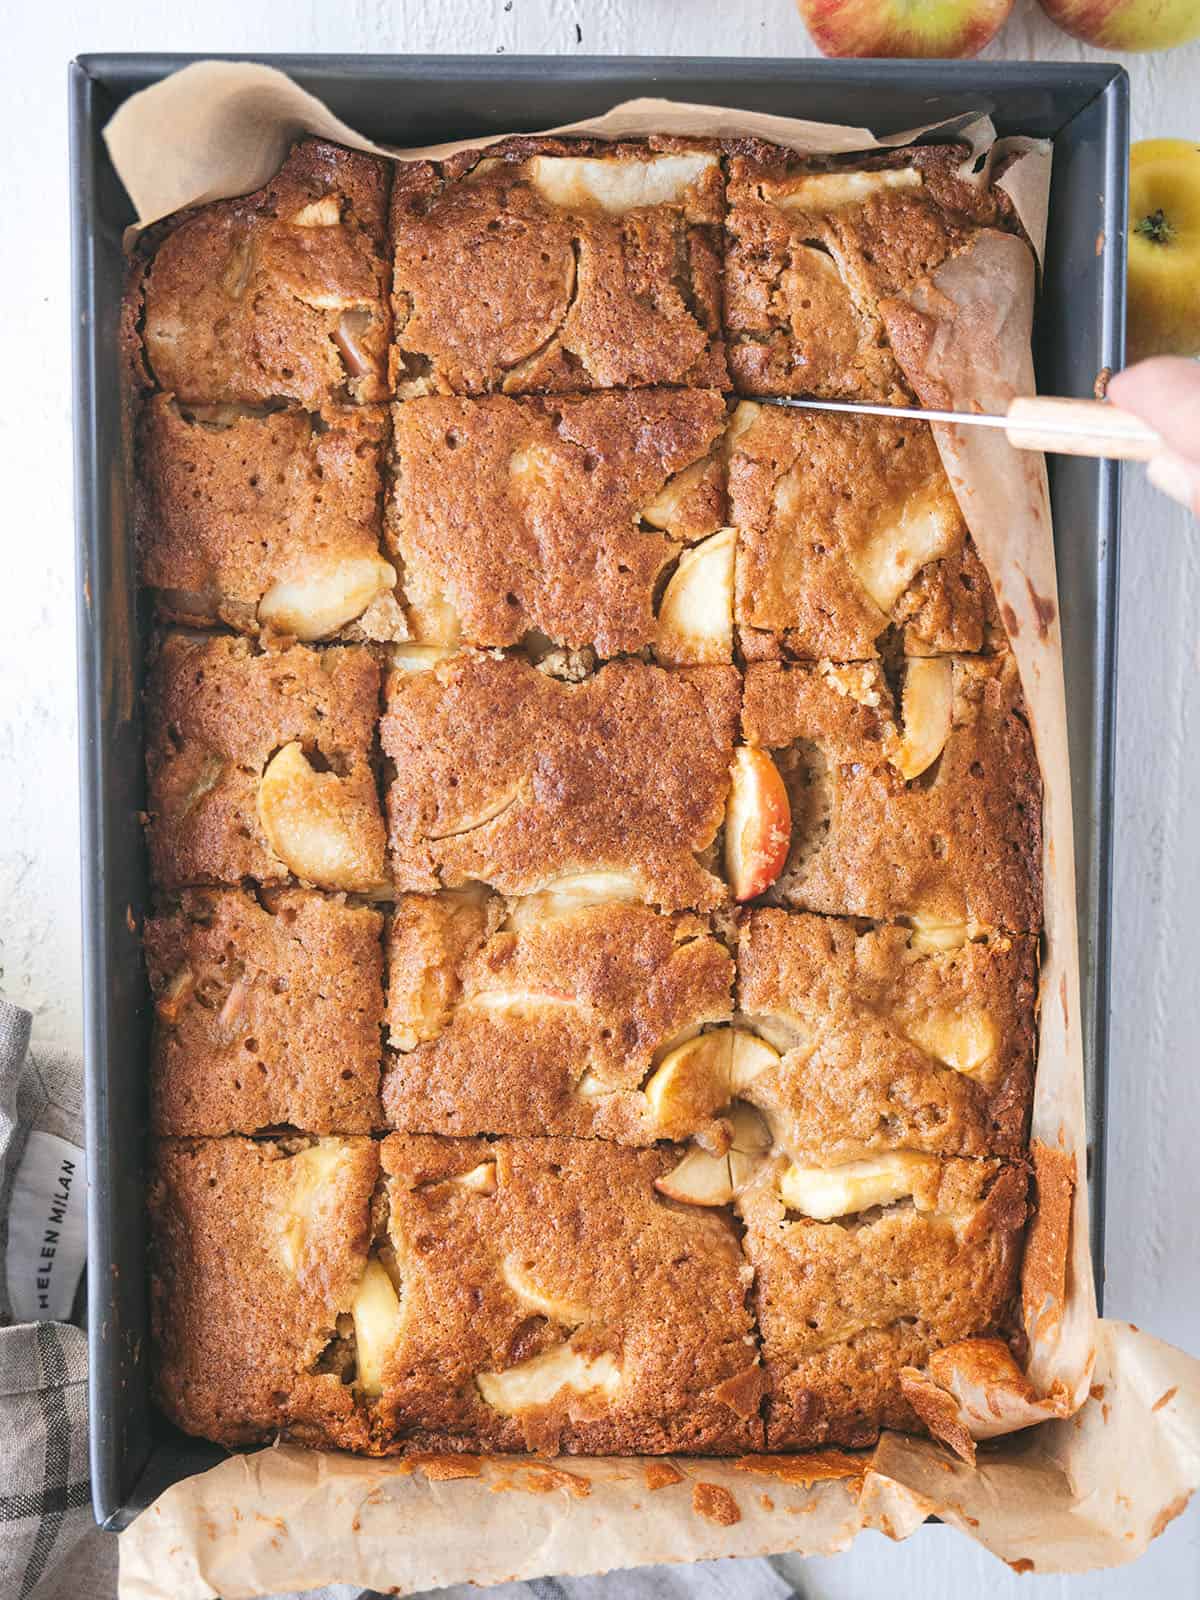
<point>409,100</point>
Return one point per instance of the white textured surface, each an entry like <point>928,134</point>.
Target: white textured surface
<point>1154,1094</point>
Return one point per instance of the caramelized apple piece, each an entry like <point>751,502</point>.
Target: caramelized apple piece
<point>575,182</point>
<point>700,1179</point>
<point>316,603</point>
<point>537,1381</point>
<point>520,1281</point>
<point>924,527</point>
<point>323,213</point>
<point>480,1179</point>
<point>691,1084</point>
<point>928,709</point>
<point>310,1172</point>
<point>695,619</point>
<point>964,1040</point>
<point>758,823</point>
<point>830,191</point>
<point>302,816</point>
<point>377,1317</point>
<point>749,1056</point>
<point>827,1192</point>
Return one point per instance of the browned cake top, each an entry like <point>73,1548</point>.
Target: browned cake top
<point>526,1262</point>
<point>844,1304</point>
<point>957,844</point>
<point>558,516</point>
<point>265,519</point>
<point>885,1041</point>
<point>547,266</point>
<point>550,1022</point>
<point>848,528</point>
<point>816,246</point>
<point>259,765</point>
<point>556,1301</point>
<point>279,294</point>
<point>255,1250</point>
<point>509,776</point>
<point>267,1013</point>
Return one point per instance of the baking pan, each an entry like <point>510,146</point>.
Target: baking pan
<point>408,100</point>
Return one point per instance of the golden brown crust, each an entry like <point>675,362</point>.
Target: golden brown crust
<point>1048,1244</point>
<point>216,713</point>
<point>555,831</point>
<point>618,1271</point>
<point>803,282</point>
<point>525,515</point>
<point>848,534</point>
<point>238,1331</point>
<point>241,302</point>
<point>268,1013</point>
<point>549,1025</point>
<point>961,843</point>
<point>842,1306</point>
<point>864,1013</point>
<point>498,287</point>
<point>231,502</point>
<point>513,778</point>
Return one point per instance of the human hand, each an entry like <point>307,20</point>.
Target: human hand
<point>1165,392</point>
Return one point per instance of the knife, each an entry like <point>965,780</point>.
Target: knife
<point>1034,422</point>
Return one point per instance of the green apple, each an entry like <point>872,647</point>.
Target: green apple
<point>1164,248</point>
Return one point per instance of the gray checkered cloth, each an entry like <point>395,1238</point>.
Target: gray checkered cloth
<point>50,1548</point>
<point>45,1498</point>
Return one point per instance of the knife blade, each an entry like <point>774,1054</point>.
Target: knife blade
<point>1034,422</point>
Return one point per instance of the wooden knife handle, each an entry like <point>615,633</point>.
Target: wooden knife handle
<point>1081,428</point>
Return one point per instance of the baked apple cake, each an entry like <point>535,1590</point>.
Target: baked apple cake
<point>593,820</point>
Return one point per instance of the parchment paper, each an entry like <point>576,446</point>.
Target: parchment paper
<point>1114,1447</point>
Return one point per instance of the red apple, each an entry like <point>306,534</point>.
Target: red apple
<point>905,27</point>
<point>1127,24</point>
<point>758,823</point>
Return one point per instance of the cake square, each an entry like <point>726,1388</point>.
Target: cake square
<point>849,537</point>
<point>554,1300</point>
<point>257,1249</point>
<point>260,765</point>
<point>563,518</point>
<point>817,246</point>
<point>280,294</point>
<point>544,266</point>
<point>908,1254</point>
<point>886,1041</point>
<point>265,520</point>
<point>268,1011</point>
<point>930,812</point>
<point>506,775</point>
<point>553,1015</point>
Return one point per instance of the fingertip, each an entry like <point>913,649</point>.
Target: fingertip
<point>1176,477</point>
<point>1165,392</point>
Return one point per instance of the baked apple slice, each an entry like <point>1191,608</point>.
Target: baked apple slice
<point>758,823</point>
<point>314,604</point>
<point>827,1192</point>
<point>695,619</point>
<point>303,814</point>
<point>928,710</point>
